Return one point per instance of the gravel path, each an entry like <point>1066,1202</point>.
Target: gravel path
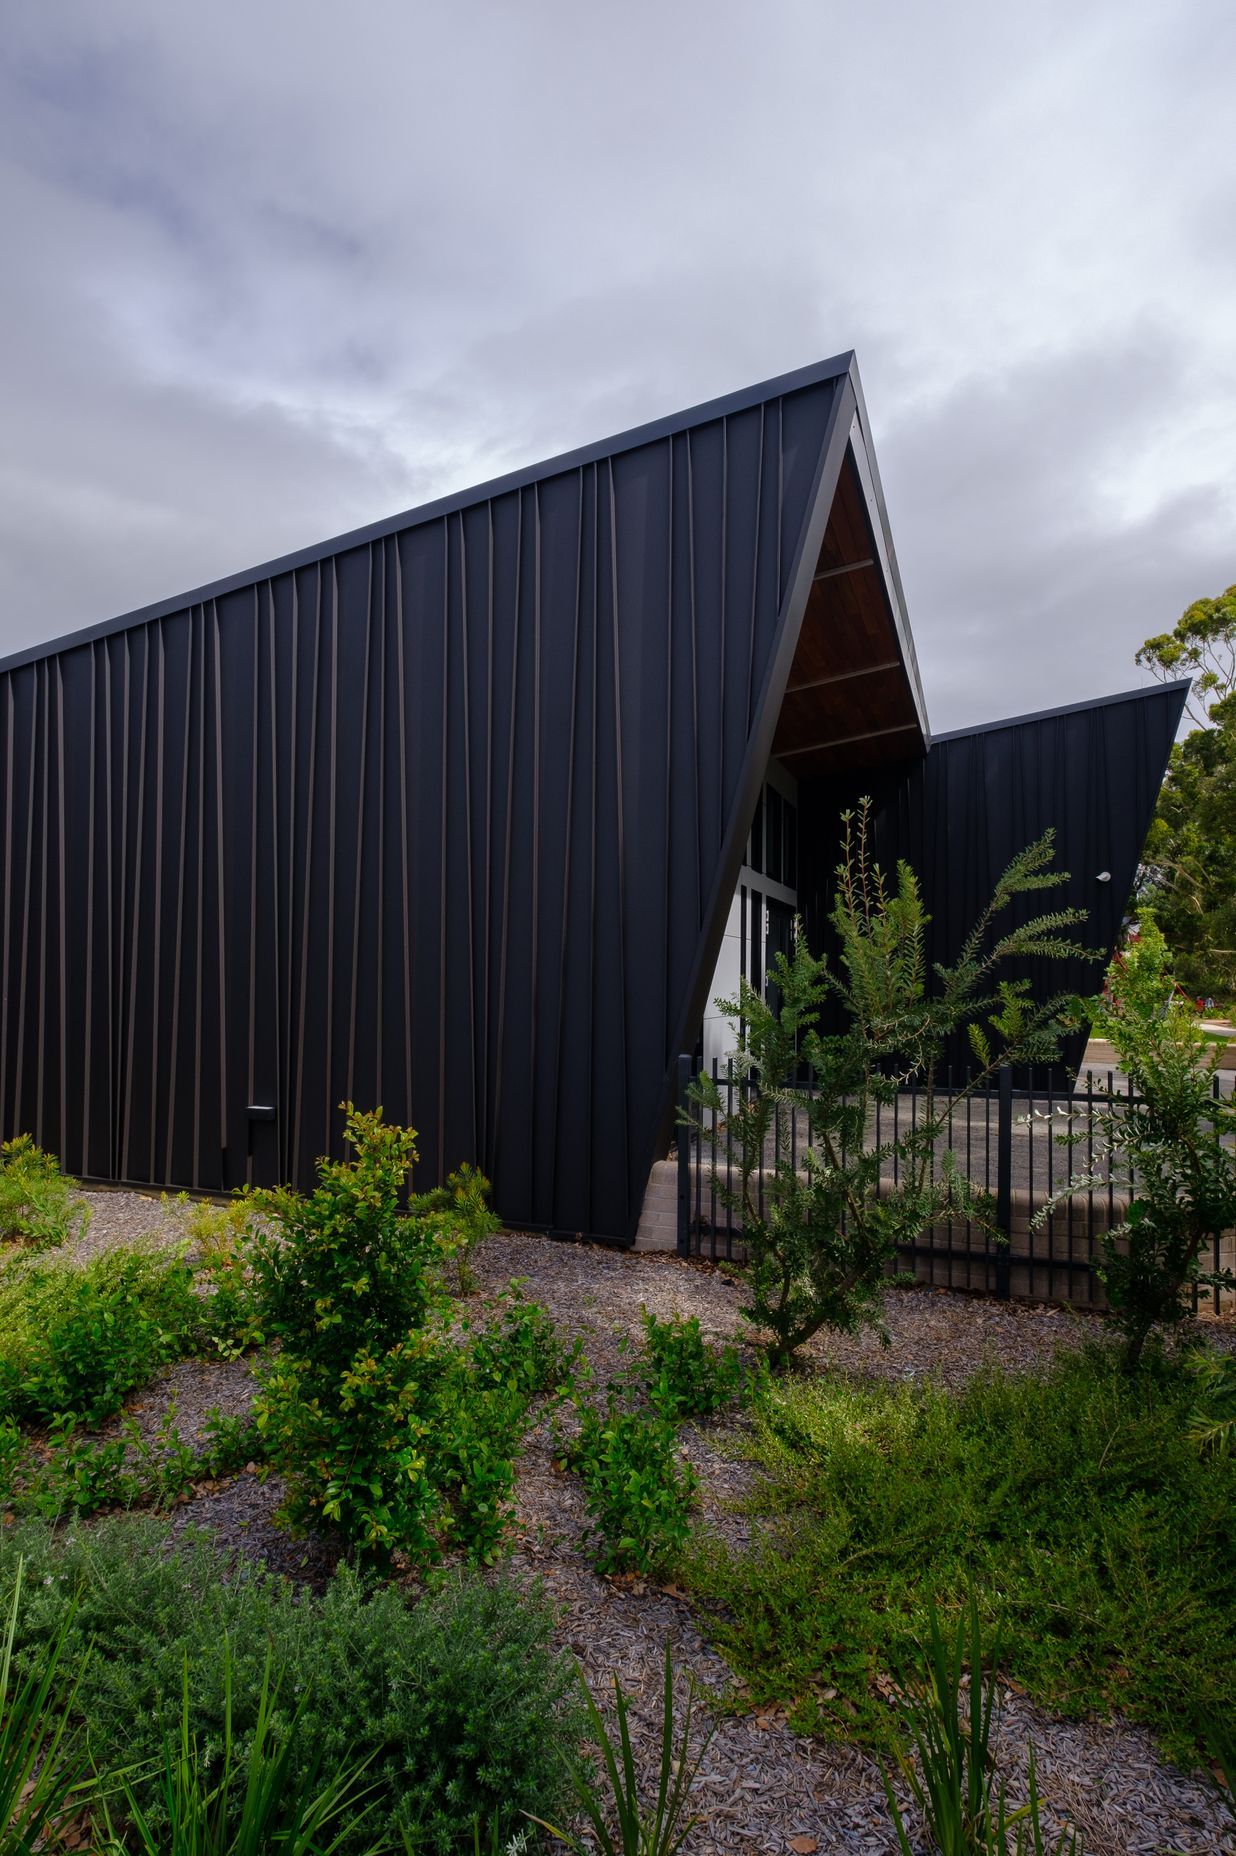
<point>761,1785</point>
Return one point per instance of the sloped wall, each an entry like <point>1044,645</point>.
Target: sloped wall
<point>436,818</point>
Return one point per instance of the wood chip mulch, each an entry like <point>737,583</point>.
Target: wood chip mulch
<point>761,1787</point>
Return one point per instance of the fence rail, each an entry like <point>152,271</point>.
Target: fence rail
<point>1004,1140</point>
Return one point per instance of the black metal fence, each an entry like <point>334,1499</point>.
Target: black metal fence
<point>1005,1140</point>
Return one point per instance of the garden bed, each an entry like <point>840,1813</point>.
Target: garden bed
<point>762,1784</point>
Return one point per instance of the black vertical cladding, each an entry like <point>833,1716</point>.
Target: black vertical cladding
<point>1090,773</point>
<point>430,816</point>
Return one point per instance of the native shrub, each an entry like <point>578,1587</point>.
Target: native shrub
<point>459,1700</point>
<point>638,1489</point>
<point>1171,1143</point>
<point>221,1236</point>
<point>1095,1538</point>
<point>680,1374</point>
<point>79,1339</point>
<point>824,1210</point>
<point>37,1203</point>
<point>400,1434</point>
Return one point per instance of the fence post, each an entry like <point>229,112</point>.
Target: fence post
<point>684,1159</point>
<point>1004,1178</point>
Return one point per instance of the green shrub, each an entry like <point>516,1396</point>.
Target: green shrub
<point>417,1455</point>
<point>81,1475</point>
<point>520,1349</point>
<point>681,1374</point>
<point>225,1803</point>
<point>80,1339</point>
<point>384,1425</point>
<point>342,1271</point>
<point>463,1200</point>
<point>1101,1548</point>
<point>346,1284</point>
<point>1168,1143</point>
<point>459,1700</point>
<point>638,1489</point>
<point>12,1452</point>
<point>822,1222</point>
<point>222,1238</point>
<point>37,1203</point>
<point>1212,1422</point>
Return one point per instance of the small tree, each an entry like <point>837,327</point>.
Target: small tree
<point>1169,1143</point>
<point>823,1220</point>
<point>1190,856</point>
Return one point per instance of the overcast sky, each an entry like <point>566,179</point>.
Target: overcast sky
<point>276,269</point>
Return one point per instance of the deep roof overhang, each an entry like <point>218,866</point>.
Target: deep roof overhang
<point>854,696</point>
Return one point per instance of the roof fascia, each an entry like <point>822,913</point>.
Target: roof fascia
<point>741,401</point>
<point>1180,687</point>
<point>877,510</point>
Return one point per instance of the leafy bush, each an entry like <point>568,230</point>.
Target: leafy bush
<point>681,1375</point>
<point>241,1805</point>
<point>342,1271</point>
<point>382,1423</point>
<point>1170,1143</point>
<point>458,1699</point>
<point>79,1339</point>
<point>346,1283</point>
<point>80,1475</point>
<point>12,1451</point>
<point>1097,1542</point>
<point>37,1204</point>
<point>521,1349</point>
<point>221,1236</point>
<point>823,1218</point>
<point>1212,1422</point>
<point>638,1489</point>
<point>463,1199</point>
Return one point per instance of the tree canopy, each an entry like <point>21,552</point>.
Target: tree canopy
<point>1191,850</point>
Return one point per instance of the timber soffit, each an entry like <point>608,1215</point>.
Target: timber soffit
<point>837,367</point>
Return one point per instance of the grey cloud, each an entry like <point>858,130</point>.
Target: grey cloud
<point>287,268</point>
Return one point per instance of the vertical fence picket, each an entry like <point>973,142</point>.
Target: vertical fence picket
<point>1054,1270</point>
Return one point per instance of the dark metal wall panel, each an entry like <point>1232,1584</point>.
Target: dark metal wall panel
<point>1090,772</point>
<point>438,818</point>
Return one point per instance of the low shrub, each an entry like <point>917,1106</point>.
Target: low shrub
<point>387,1426</point>
<point>518,1346</point>
<point>78,1340</point>
<point>681,1374</point>
<point>638,1488</point>
<point>458,1700</point>
<point>38,1207</point>
<point>81,1475</point>
<point>1099,1545</point>
<point>12,1452</point>
<point>222,1239</point>
<point>463,1201</point>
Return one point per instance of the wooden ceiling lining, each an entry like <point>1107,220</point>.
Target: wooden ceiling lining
<point>849,700</point>
<point>860,704</point>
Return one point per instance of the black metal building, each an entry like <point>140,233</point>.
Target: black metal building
<point>451,813</point>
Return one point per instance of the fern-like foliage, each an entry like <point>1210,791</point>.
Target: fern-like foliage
<point>826,1206</point>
